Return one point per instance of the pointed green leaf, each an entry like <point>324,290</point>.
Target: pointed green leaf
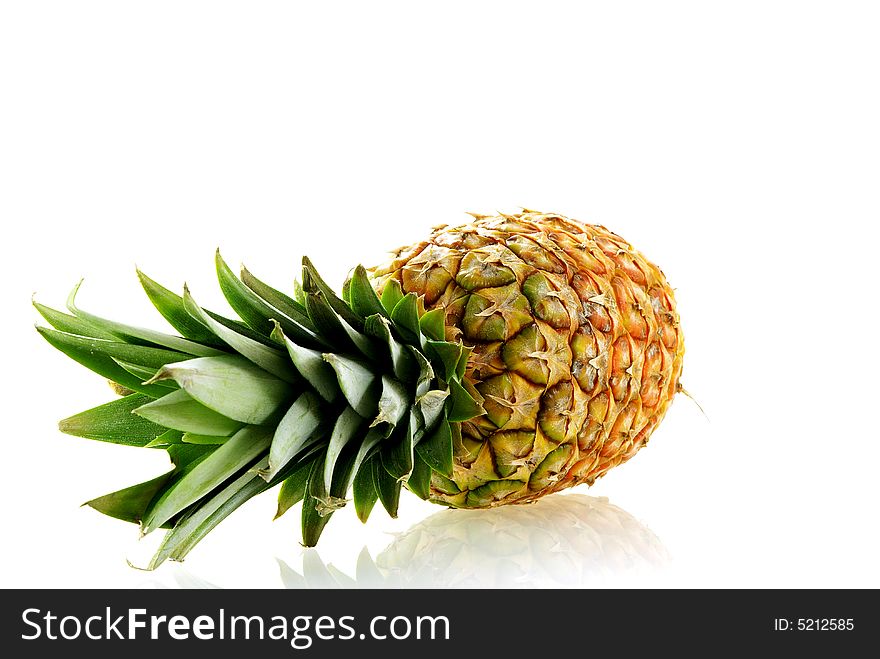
<point>436,449</point>
<point>461,367</point>
<point>462,405</point>
<point>393,404</point>
<point>134,354</point>
<point>447,354</point>
<point>170,305</point>
<point>275,298</point>
<point>129,332</point>
<point>71,324</point>
<point>203,440</point>
<point>364,490</point>
<point>80,350</point>
<point>311,365</point>
<point>419,481</point>
<point>328,322</point>
<point>387,486</point>
<point>404,366</point>
<point>254,310</point>
<point>397,455</point>
<point>347,426</point>
<point>166,439</point>
<point>114,422</point>
<point>364,300</point>
<point>263,356</point>
<point>358,383</point>
<point>312,282</point>
<point>433,324</point>
<point>392,293</point>
<point>406,317</point>
<point>225,461</point>
<point>144,374</point>
<point>194,526</point>
<point>130,504</point>
<point>431,407</point>
<point>293,488</point>
<point>294,432</point>
<point>186,456</point>
<point>299,295</point>
<point>180,411</point>
<point>313,522</point>
<point>426,372</point>
<point>230,385</point>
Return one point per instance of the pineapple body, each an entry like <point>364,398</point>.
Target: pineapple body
<point>576,350</point>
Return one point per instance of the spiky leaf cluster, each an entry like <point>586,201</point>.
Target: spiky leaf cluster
<point>329,397</point>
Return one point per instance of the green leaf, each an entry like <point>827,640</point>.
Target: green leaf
<point>313,282</point>
<point>387,486</point>
<point>230,385</point>
<point>462,406</point>
<point>285,304</point>
<point>78,349</point>
<point>254,310</point>
<point>180,411</point>
<point>461,367</point>
<point>447,353</point>
<point>311,365</point>
<point>404,366</point>
<point>363,490</point>
<point>397,456</point>
<point>426,372</point>
<point>225,461</point>
<point>358,383</point>
<point>166,439</point>
<point>203,440</point>
<point>294,432</point>
<point>392,293</point>
<point>364,300</point>
<point>293,488</point>
<point>406,317</point>
<point>347,426</point>
<point>436,449</point>
<point>114,422</point>
<point>433,324</point>
<point>263,356</point>
<point>299,295</point>
<point>431,407</point>
<point>419,482</point>
<point>194,526</point>
<point>144,374</point>
<point>71,324</point>
<point>313,522</point>
<point>340,335</point>
<point>393,404</point>
<point>134,354</point>
<point>130,504</point>
<point>129,332</point>
<point>170,305</point>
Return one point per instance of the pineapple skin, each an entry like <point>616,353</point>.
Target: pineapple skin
<point>577,350</point>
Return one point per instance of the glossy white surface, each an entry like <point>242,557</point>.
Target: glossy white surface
<point>735,144</point>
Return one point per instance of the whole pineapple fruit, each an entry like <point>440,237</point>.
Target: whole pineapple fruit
<point>576,350</point>
<point>493,363</point>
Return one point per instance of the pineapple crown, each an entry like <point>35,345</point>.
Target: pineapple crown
<point>322,394</point>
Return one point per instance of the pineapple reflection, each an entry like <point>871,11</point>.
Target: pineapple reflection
<point>560,541</point>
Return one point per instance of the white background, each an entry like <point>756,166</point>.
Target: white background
<point>737,144</point>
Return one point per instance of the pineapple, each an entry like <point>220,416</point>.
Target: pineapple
<point>493,363</point>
